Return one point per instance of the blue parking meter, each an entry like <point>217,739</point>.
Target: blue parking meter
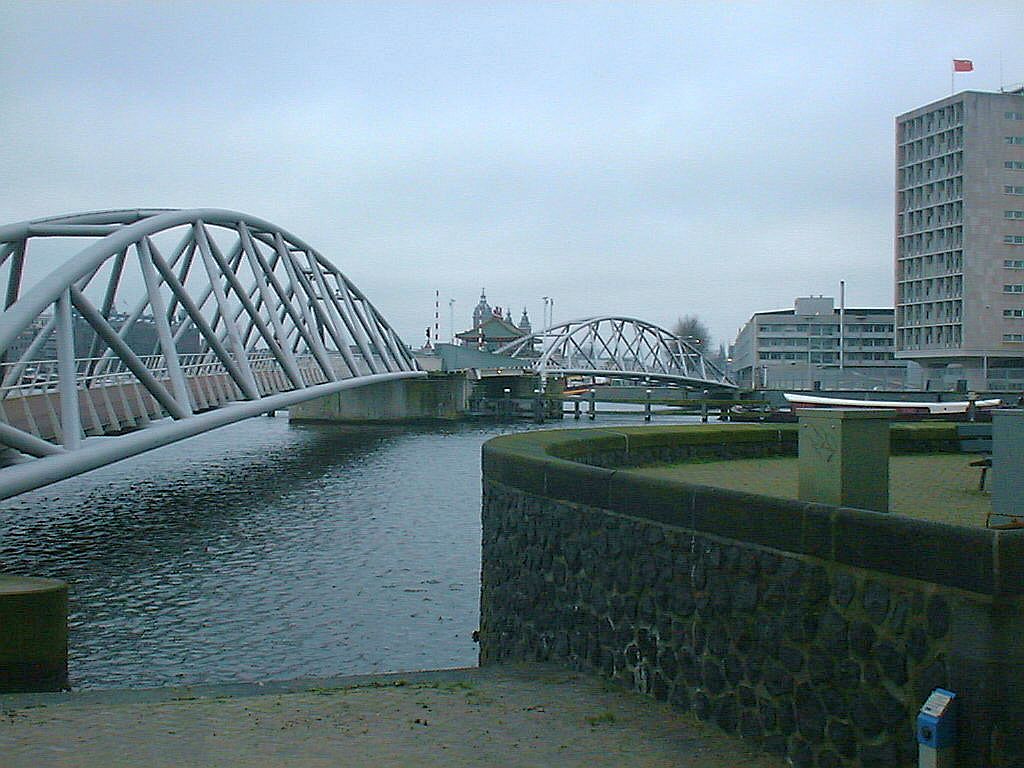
<point>936,730</point>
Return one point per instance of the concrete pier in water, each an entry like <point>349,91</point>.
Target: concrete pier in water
<point>439,396</point>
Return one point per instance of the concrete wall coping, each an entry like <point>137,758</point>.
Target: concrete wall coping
<point>848,414</point>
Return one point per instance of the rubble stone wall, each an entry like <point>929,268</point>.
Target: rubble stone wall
<point>815,632</point>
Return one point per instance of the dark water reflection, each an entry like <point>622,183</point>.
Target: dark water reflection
<point>266,550</point>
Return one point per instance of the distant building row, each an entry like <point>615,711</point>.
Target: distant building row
<point>816,345</point>
<point>959,268</point>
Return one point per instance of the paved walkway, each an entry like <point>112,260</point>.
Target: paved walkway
<point>498,716</point>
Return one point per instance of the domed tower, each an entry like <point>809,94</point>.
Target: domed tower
<point>482,311</point>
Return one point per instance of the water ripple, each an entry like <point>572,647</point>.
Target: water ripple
<point>265,550</point>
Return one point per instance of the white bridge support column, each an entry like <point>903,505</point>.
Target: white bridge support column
<point>70,417</point>
<point>163,328</point>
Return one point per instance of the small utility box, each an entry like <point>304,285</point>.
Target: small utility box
<point>844,457</point>
<point>1007,467</point>
<point>936,731</point>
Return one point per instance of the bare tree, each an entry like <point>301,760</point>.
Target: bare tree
<point>692,329</point>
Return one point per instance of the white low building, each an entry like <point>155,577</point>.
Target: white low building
<point>815,345</point>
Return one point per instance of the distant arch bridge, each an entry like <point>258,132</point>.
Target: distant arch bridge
<point>204,316</point>
<point>617,347</point>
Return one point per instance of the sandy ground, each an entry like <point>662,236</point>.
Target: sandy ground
<point>939,487</point>
<point>499,716</point>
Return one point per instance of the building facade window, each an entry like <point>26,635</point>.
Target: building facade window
<point>1013,214</point>
<point>1013,288</point>
<point>1015,140</point>
<point>1013,239</point>
<point>1016,338</point>
<point>1014,165</point>
<point>1015,312</point>
<point>1012,189</point>
<point>1013,263</point>
<point>1014,115</point>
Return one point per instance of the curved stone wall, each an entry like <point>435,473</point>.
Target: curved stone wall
<point>815,632</point>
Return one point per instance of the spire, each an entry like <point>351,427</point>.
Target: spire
<point>524,322</point>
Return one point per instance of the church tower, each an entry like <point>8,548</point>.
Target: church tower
<point>524,323</point>
<point>482,311</point>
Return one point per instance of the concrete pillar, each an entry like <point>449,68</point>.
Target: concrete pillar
<point>33,634</point>
<point>440,396</point>
<point>1007,468</point>
<point>844,457</point>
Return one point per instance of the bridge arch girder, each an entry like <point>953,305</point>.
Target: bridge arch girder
<point>168,312</point>
<point>617,347</point>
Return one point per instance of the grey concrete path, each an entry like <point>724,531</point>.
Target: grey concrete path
<point>498,716</point>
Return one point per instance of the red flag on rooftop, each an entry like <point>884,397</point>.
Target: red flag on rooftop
<point>963,65</point>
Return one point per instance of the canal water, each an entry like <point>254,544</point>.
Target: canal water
<point>268,550</point>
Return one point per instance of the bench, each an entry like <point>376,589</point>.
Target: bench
<point>977,438</point>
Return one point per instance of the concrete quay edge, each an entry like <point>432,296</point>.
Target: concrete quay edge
<point>237,689</point>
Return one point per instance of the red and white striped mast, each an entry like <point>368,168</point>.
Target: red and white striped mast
<point>437,314</point>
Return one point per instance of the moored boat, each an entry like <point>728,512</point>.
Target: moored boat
<point>903,407</point>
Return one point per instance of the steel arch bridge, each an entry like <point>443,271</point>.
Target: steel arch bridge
<point>179,321</point>
<point>617,347</point>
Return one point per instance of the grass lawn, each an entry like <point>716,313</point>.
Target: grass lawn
<point>939,487</point>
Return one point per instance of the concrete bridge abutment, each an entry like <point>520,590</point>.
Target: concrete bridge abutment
<point>438,396</point>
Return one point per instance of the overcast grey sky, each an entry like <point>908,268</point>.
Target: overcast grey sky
<point>651,160</point>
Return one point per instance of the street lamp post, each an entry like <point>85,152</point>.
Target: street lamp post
<point>842,313</point>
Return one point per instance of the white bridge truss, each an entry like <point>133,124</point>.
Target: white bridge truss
<point>617,347</point>
<point>240,317</point>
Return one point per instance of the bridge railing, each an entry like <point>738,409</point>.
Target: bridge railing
<point>41,376</point>
<point>112,399</point>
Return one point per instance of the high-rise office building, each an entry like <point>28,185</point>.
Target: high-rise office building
<point>959,251</point>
